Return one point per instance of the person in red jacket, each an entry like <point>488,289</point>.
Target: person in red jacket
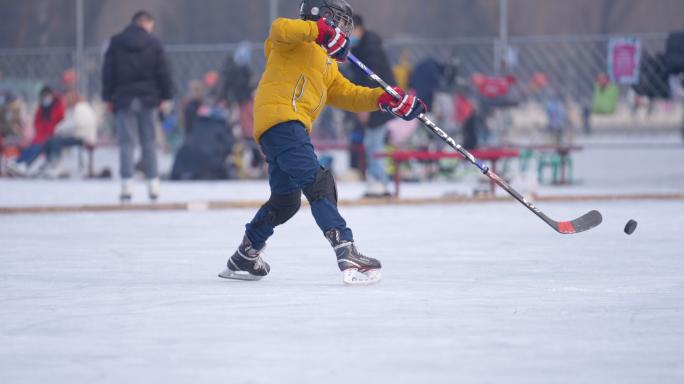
<point>49,114</point>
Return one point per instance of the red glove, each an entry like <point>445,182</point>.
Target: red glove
<point>408,108</point>
<point>331,37</point>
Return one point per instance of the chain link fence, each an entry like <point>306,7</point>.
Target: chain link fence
<point>187,62</point>
<point>571,64</point>
<point>25,71</point>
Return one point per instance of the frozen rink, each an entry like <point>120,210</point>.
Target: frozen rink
<point>476,293</point>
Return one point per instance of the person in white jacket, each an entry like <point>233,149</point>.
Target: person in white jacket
<point>78,128</point>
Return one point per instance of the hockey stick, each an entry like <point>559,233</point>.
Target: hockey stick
<point>584,223</point>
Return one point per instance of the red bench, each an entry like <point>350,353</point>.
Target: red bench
<point>492,155</point>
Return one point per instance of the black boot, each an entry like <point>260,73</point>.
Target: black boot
<point>350,260</point>
<point>246,263</point>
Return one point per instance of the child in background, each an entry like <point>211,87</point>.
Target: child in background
<point>50,112</point>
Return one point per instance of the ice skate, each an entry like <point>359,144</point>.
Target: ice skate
<point>246,263</point>
<point>50,170</point>
<point>126,191</point>
<point>376,188</point>
<point>357,268</point>
<point>153,188</point>
<point>16,169</point>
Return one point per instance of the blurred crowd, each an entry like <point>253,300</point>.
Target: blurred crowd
<point>61,120</point>
<point>210,129</point>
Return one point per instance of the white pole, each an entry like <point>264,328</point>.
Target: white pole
<point>503,22</point>
<point>80,58</point>
<point>274,10</point>
<point>503,31</point>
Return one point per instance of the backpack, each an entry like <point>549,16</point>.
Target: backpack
<point>653,78</point>
<point>503,92</point>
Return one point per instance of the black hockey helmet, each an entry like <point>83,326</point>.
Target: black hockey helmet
<point>337,11</point>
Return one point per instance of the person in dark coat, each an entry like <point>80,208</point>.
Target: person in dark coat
<point>192,104</point>
<point>674,62</point>
<point>674,54</point>
<point>135,80</point>
<point>367,47</point>
<point>203,155</point>
<point>475,128</point>
<point>426,79</point>
<point>237,82</point>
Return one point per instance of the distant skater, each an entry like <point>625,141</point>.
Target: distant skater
<point>135,80</point>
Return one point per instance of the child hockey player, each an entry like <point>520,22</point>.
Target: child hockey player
<point>301,76</point>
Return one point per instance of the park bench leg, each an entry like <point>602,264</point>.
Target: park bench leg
<point>397,177</point>
<point>79,150</point>
<point>493,183</point>
<point>91,160</point>
<point>563,164</point>
<point>362,158</point>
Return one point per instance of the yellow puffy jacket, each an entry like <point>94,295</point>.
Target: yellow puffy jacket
<point>300,78</point>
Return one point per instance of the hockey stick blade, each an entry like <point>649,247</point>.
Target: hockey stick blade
<point>584,223</point>
<point>581,224</point>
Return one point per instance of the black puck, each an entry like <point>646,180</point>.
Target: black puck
<point>630,227</point>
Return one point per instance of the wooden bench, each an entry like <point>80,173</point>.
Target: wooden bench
<point>492,155</point>
<point>11,151</point>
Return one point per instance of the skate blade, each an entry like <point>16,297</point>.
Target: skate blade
<point>245,276</point>
<point>352,279</point>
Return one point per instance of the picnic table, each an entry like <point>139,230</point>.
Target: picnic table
<point>492,155</point>
<point>563,152</point>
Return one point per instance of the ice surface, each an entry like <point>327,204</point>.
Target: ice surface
<point>481,293</point>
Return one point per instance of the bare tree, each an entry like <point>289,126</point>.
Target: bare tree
<point>613,12</point>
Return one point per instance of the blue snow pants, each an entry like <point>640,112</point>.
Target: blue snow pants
<point>292,166</point>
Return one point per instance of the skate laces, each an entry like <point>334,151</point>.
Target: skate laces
<point>354,249</point>
<point>361,255</point>
<point>258,263</point>
<point>256,257</point>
